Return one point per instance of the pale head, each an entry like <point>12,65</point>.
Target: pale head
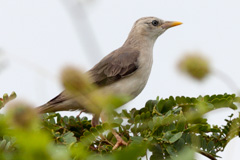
<point>152,27</point>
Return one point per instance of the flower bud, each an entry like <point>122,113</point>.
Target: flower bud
<point>195,65</point>
<point>75,81</point>
<point>21,115</point>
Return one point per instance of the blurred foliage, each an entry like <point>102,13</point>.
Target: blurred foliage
<point>195,65</point>
<point>79,85</point>
<point>171,128</point>
<point>6,98</point>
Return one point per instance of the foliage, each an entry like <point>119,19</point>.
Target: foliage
<point>195,65</point>
<point>171,128</point>
<point>6,98</point>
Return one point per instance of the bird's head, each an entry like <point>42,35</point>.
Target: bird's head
<point>152,27</point>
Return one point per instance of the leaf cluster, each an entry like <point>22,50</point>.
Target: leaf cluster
<point>170,128</point>
<point>6,98</point>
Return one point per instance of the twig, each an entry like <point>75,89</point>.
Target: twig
<point>227,80</point>
<point>84,29</point>
<point>106,140</point>
<point>208,155</point>
<point>146,155</point>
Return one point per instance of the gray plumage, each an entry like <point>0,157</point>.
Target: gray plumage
<point>125,70</point>
<point>117,65</point>
<point>110,69</point>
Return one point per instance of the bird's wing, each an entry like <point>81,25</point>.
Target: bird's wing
<point>115,66</point>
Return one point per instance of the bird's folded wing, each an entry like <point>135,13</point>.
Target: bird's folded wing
<point>115,66</point>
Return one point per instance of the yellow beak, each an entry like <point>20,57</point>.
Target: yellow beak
<point>169,24</point>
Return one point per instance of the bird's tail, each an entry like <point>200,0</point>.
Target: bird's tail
<point>68,105</point>
<point>44,109</point>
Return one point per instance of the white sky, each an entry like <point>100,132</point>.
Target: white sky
<point>40,37</point>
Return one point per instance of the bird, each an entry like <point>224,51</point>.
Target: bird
<point>124,71</point>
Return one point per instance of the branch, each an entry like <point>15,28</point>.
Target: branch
<point>206,154</point>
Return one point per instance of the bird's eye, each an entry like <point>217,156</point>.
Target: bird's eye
<point>155,22</point>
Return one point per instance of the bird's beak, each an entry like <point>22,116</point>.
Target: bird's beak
<point>169,24</point>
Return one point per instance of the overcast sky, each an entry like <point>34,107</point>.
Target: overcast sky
<point>39,37</point>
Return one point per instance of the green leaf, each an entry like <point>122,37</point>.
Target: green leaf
<point>133,151</point>
<point>13,95</point>
<point>160,105</point>
<point>171,150</point>
<point>106,126</point>
<point>65,119</point>
<point>157,152</point>
<point>117,122</point>
<point>233,106</point>
<point>94,131</point>
<point>175,137</point>
<point>99,128</point>
<point>1,104</point>
<point>137,139</point>
<point>86,133</point>
<point>7,146</point>
<point>69,138</point>
<point>3,144</point>
<point>150,125</point>
<point>109,136</point>
<point>5,97</point>
<point>167,136</point>
<point>137,119</point>
<point>185,154</point>
<point>188,139</point>
<point>148,115</point>
<point>181,124</point>
<point>203,143</point>
<point>150,104</point>
<point>142,116</point>
<point>210,145</point>
<point>126,114</point>
<point>179,144</point>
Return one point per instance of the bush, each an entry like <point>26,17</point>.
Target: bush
<point>171,128</point>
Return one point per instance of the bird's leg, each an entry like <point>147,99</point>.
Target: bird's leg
<point>120,141</point>
<point>81,112</point>
<point>78,116</point>
<point>95,120</point>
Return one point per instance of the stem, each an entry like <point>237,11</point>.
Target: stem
<point>104,139</point>
<point>208,155</point>
<point>146,155</point>
<point>227,80</point>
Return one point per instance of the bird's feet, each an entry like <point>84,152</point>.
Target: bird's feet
<point>120,141</point>
<point>78,116</point>
<point>81,113</point>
